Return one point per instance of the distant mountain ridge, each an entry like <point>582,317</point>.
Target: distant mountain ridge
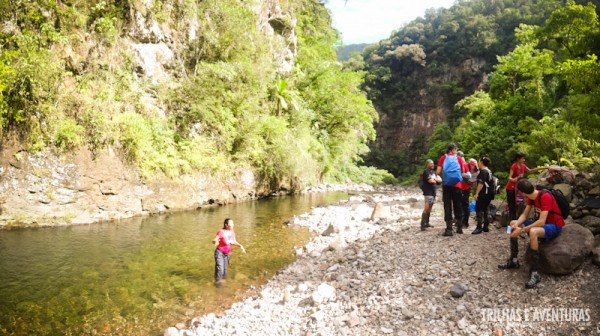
<point>344,52</point>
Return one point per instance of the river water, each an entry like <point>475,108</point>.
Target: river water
<point>139,276</point>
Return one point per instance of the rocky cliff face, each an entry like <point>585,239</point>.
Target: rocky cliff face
<point>45,188</point>
<point>408,124</point>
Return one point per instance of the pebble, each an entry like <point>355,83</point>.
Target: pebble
<point>388,269</point>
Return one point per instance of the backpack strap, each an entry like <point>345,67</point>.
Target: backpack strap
<point>544,191</point>
<point>487,185</point>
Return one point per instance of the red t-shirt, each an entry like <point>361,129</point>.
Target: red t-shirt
<point>516,171</point>
<point>226,237</point>
<point>547,203</point>
<point>461,163</point>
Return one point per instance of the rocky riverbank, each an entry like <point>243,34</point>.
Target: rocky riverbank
<point>382,275</point>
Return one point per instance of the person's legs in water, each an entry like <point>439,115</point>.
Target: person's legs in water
<point>220,266</point>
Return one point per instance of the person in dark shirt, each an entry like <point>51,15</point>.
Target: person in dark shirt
<point>430,179</point>
<point>483,196</point>
<point>547,226</point>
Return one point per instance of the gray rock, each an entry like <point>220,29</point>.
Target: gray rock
<point>458,290</point>
<point>596,255</point>
<point>590,221</point>
<point>380,211</point>
<point>171,331</point>
<point>595,191</point>
<point>565,188</point>
<point>329,231</point>
<point>565,253</point>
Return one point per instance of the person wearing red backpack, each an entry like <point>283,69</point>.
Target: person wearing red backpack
<point>547,226</point>
<point>450,167</point>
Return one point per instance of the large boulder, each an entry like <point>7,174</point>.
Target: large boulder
<point>565,253</point>
<point>381,211</point>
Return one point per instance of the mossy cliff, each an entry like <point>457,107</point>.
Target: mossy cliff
<point>119,108</point>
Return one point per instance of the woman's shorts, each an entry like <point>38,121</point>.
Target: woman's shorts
<point>429,199</point>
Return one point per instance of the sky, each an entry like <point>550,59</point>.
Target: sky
<point>368,21</point>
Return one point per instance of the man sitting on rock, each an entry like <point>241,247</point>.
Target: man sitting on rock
<point>548,226</point>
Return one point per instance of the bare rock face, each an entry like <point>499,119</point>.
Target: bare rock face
<point>280,26</point>
<point>565,253</point>
<point>45,190</point>
<point>404,126</point>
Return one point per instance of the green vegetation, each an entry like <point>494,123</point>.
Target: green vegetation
<point>541,97</point>
<point>345,52</point>
<point>68,79</point>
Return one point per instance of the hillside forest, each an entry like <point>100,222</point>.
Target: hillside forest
<point>535,86</point>
<point>68,81</point>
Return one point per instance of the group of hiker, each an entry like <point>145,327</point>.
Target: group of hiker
<point>460,180</point>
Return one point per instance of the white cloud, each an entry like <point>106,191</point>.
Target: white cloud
<point>368,21</point>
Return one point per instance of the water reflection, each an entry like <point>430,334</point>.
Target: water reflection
<point>138,276</point>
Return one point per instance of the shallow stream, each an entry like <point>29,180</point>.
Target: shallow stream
<point>139,276</point>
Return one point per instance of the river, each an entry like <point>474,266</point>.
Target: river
<point>138,276</point>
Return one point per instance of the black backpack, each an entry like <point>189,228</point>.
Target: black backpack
<point>492,185</point>
<point>561,201</point>
<point>422,182</point>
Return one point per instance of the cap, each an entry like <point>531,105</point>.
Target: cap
<point>473,162</point>
<point>460,153</point>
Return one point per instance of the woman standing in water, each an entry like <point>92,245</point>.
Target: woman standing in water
<point>223,241</point>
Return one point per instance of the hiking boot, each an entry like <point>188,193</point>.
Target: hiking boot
<point>427,225</point>
<point>509,264</point>
<point>477,230</point>
<point>459,229</point>
<point>447,233</point>
<point>534,279</point>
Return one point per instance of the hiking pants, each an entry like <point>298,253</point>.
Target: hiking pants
<point>221,263</point>
<point>512,204</point>
<point>465,194</point>
<point>452,202</point>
